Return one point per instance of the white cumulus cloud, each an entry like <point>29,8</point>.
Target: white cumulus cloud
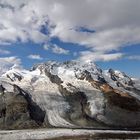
<point>115,22</point>
<point>35,56</point>
<point>58,50</point>
<point>55,49</point>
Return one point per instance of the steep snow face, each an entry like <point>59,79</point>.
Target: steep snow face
<point>14,73</point>
<point>117,79</point>
<point>136,82</point>
<point>74,69</point>
<point>20,77</point>
<point>70,69</point>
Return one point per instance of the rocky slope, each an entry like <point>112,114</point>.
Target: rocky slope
<point>70,94</point>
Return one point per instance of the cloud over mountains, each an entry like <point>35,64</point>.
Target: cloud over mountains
<point>115,24</point>
<point>7,62</point>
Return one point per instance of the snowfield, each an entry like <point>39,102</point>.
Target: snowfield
<point>41,134</point>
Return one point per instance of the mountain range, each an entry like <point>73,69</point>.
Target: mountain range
<point>71,94</point>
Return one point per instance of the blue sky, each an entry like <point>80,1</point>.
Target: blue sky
<point>22,50</point>
<point>41,30</point>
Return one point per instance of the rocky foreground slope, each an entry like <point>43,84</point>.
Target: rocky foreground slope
<point>71,95</point>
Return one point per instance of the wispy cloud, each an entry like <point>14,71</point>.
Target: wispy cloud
<point>35,56</point>
<point>98,56</point>
<point>58,50</point>
<point>46,46</point>
<point>134,57</point>
<point>7,62</point>
<point>55,49</point>
<point>2,51</point>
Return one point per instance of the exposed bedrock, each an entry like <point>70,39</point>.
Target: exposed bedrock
<point>18,111</point>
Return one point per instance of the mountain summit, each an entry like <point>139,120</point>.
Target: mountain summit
<point>70,94</point>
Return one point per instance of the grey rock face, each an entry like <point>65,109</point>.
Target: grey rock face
<point>18,111</point>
